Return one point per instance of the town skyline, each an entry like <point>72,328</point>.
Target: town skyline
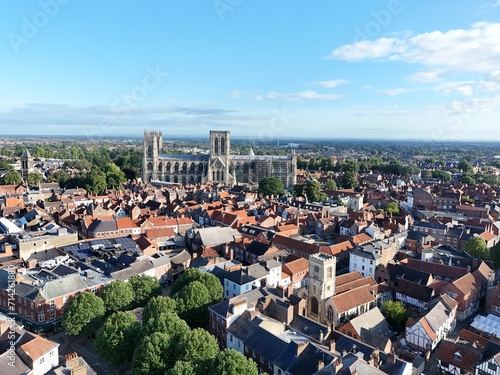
<point>388,70</point>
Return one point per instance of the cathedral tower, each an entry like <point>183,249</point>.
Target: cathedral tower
<point>153,146</point>
<point>219,157</point>
<point>26,164</point>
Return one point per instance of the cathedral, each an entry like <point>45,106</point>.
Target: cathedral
<point>219,166</point>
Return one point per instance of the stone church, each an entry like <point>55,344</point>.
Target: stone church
<point>219,166</point>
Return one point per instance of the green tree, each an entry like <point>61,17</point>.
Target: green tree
<point>443,175</point>
<point>211,282</point>
<point>83,314</point>
<point>11,178</point>
<point>395,314</point>
<point>117,296</point>
<point>95,181</point>
<point>199,348</point>
<point>182,368</point>
<point>297,190</point>
<point>5,165</point>
<point>168,323</point>
<point>465,166</point>
<point>116,339</point>
<point>476,246</point>
<point>114,175</point>
<point>153,355</point>
<point>313,191</point>
<point>230,362</point>
<point>331,184</point>
<point>144,287</point>
<point>34,178</point>
<point>468,180</point>
<point>392,208</point>
<point>192,302</point>
<point>157,306</point>
<point>349,180</point>
<point>495,255</point>
<point>271,186</point>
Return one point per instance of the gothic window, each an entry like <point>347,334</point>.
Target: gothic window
<point>329,314</point>
<point>160,167</point>
<point>192,168</point>
<point>218,176</point>
<point>167,179</point>
<point>176,180</point>
<point>167,168</point>
<point>150,166</point>
<point>200,167</point>
<point>176,167</point>
<point>216,145</point>
<point>184,180</point>
<point>222,144</point>
<point>184,167</point>
<point>329,272</point>
<point>316,269</point>
<point>314,306</point>
<point>150,151</point>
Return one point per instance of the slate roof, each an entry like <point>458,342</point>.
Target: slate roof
<point>266,344</point>
<point>216,236</point>
<point>257,248</point>
<point>99,225</point>
<point>398,271</point>
<point>418,291</point>
<point>309,327</point>
<point>307,361</point>
<point>437,269</point>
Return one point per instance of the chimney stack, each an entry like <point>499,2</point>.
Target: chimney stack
<point>332,345</point>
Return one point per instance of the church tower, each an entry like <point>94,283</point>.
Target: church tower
<point>321,284</point>
<point>26,164</point>
<point>218,169</point>
<point>153,146</point>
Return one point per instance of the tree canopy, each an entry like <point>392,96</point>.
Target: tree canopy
<point>313,191</point>
<point>153,355</point>
<point>231,362</point>
<point>11,178</point>
<point>330,184</point>
<point>349,180</point>
<point>395,314</point>
<point>117,296</point>
<point>393,208</point>
<point>271,186</point>
<point>83,314</point>
<point>476,246</point>
<point>117,338</point>
<point>145,288</point>
<point>157,306</point>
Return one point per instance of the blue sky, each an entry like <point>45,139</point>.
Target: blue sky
<point>268,69</point>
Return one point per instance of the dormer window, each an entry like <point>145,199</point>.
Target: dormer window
<point>458,356</point>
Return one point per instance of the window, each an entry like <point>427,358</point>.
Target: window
<point>451,294</point>
<point>41,317</point>
<point>52,315</point>
<point>492,366</point>
<point>371,262</point>
<point>42,360</point>
<point>457,355</point>
<point>254,354</point>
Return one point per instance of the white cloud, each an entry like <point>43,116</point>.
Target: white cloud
<point>497,3</point>
<point>329,84</point>
<point>303,95</point>
<point>460,50</point>
<point>367,87</point>
<point>426,76</point>
<point>394,92</point>
<point>472,88</point>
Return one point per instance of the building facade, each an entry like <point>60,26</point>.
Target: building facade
<point>219,166</point>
